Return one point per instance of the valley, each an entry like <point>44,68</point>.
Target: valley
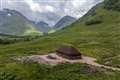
<point>95,35</point>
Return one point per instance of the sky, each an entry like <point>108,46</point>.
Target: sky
<point>50,11</point>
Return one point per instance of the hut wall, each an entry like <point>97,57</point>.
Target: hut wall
<point>68,56</point>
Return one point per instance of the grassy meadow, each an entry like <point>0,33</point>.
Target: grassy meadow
<point>97,34</point>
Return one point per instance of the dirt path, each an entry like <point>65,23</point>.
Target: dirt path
<point>54,59</point>
<point>118,56</point>
<point>102,66</point>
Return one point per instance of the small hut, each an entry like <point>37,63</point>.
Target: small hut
<point>68,52</point>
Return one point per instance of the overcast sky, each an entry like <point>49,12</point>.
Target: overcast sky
<point>49,11</point>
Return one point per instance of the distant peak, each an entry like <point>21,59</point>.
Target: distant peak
<point>11,11</point>
<point>64,21</point>
<point>42,22</point>
<point>67,16</point>
<point>7,10</point>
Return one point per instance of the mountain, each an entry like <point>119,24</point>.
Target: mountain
<point>14,23</point>
<point>96,35</point>
<point>65,21</point>
<point>43,26</point>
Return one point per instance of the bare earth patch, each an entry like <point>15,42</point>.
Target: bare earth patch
<point>54,59</point>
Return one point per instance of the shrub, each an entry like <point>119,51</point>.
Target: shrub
<point>112,5</point>
<point>93,20</point>
<point>9,76</point>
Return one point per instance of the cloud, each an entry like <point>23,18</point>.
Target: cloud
<point>34,6</point>
<point>50,10</point>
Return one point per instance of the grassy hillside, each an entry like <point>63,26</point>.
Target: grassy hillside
<point>63,22</point>
<point>6,39</point>
<point>97,34</point>
<point>94,35</point>
<point>32,71</point>
<point>14,23</point>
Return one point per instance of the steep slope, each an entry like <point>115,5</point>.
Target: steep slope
<point>65,21</point>
<point>14,23</point>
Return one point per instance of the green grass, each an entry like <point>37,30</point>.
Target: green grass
<point>17,24</point>
<point>15,71</point>
<point>99,40</point>
<point>6,39</point>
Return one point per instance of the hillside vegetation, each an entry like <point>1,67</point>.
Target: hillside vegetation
<point>97,34</point>
<point>6,39</point>
<point>14,23</point>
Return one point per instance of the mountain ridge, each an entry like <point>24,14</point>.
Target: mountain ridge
<point>63,22</point>
<point>91,34</point>
<point>96,35</point>
<point>42,26</point>
<point>14,23</point>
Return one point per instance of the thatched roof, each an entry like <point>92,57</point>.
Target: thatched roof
<point>68,50</point>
